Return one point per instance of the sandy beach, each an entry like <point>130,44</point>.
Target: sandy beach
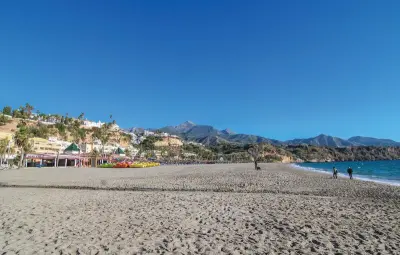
<point>207,209</point>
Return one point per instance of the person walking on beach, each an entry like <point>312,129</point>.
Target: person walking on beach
<point>350,172</point>
<point>335,172</point>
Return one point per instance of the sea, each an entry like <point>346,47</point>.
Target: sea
<point>385,171</point>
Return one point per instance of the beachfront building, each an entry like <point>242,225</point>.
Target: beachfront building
<point>41,145</point>
<point>51,145</point>
<point>96,145</point>
<point>63,144</point>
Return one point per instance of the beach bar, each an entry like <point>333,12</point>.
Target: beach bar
<point>61,160</point>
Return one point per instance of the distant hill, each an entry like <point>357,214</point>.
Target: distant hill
<point>331,141</point>
<point>210,136</point>
<point>370,141</point>
<point>323,140</point>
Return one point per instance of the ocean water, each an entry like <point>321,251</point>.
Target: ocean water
<point>377,171</point>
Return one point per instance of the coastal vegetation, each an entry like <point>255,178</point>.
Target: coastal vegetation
<point>67,128</point>
<point>22,141</point>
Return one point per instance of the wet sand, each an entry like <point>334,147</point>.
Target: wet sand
<point>208,209</point>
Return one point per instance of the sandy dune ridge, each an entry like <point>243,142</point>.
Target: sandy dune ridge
<point>278,210</point>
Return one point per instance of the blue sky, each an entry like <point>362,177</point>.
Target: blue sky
<point>281,69</point>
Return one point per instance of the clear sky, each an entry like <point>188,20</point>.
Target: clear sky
<point>280,69</point>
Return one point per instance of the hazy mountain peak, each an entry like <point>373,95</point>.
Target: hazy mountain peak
<point>185,126</point>
<point>368,141</point>
<point>188,122</point>
<point>322,140</point>
<point>228,131</point>
<point>209,135</point>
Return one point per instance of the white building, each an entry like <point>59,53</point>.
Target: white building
<point>96,145</point>
<point>189,155</point>
<point>148,133</point>
<point>194,143</point>
<point>163,134</point>
<point>63,144</point>
<point>115,127</point>
<point>90,124</point>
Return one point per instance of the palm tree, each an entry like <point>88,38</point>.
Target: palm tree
<point>78,134</point>
<point>103,134</point>
<point>164,152</point>
<point>21,140</point>
<point>94,154</point>
<point>3,149</point>
<point>28,109</point>
<point>81,116</point>
<point>128,153</point>
<point>66,120</point>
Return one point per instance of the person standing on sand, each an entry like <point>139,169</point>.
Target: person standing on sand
<point>350,172</point>
<point>335,171</point>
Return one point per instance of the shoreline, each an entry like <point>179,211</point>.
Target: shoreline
<point>274,178</point>
<point>341,175</point>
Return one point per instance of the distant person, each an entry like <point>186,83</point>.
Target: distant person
<point>335,171</point>
<point>350,172</point>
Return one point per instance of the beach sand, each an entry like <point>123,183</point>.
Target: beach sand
<point>207,209</point>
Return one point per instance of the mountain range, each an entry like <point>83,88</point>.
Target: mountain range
<point>210,136</point>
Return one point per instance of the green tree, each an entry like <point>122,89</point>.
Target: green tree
<point>3,120</point>
<point>7,110</point>
<point>28,110</point>
<point>148,143</point>
<point>22,141</point>
<point>3,149</point>
<point>62,130</point>
<point>95,154</point>
<point>41,131</point>
<point>128,153</point>
<point>78,134</point>
<point>103,134</point>
<point>16,113</point>
<point>81,117</point>
<point>255,151</point>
